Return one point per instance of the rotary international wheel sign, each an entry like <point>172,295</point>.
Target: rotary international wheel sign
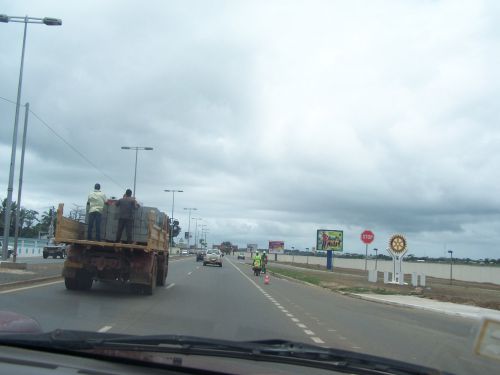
<point>397,243</point>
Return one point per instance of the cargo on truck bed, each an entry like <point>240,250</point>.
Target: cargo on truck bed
<point>142,264</point>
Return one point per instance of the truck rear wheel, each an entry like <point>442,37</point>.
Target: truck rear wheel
<point>71,284</point>
<point>45,255</point>
<point>84,280</point>
<point>148,289</point>
<point>162,276</point>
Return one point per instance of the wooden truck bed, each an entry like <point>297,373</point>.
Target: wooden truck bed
<point>70,231</point>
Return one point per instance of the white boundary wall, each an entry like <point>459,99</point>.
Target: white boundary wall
<point>481,274</point>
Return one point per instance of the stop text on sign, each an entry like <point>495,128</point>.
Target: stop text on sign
<point>367,236</point>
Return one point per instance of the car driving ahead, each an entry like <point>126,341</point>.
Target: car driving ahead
<point>213,256</point>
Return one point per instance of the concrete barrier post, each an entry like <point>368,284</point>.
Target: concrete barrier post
<point>372,276</point>
<point>422,279</point>
<point>401,279</point>
<point>414,279</point>
<point>386,277</point>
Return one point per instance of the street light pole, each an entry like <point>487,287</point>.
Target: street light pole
<point>376,258</point>
<point>4,18</point>
<point>20,187</point>
<point>136,148</point>
<point>189,225</point>
<point>172,219</point>
<point>451,265</point>
<point>196,231</point>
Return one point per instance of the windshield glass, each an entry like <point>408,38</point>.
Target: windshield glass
<point>339,158</point>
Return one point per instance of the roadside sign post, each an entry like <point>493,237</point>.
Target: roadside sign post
<point>398,247</point>
<point>329,240</point>
<point>329,260</point>
<point>367,238</point>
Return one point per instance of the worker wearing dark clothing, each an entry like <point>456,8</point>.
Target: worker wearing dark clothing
<point>127,206</point>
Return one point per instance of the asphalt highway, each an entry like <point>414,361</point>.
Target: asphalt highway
<point>231,303</point>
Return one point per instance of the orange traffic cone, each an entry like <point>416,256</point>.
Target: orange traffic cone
<point>266,279</point>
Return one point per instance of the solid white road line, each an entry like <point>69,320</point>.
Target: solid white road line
<point>170,285</point>
<point>30,287</point>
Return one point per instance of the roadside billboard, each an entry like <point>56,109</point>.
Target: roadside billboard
<point>327,239</point>
<point>252,247</point>
<point>276,246</point>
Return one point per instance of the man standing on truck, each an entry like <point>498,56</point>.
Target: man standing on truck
<point>95,203</point>
<point>127,205</point>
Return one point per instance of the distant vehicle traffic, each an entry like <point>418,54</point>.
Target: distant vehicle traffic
<point>241,256</point>
<point>54,250</point>
<point>10,250</point>
<point>213,256</point>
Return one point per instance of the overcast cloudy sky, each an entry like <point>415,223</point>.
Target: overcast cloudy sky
<point>276,118</point>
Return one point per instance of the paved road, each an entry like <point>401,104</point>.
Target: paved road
<point>230,303</point>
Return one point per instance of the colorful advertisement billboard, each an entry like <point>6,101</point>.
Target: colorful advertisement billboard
<point>327,239</point>
<point>276,246</point>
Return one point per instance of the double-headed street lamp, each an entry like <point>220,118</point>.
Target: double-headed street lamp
<point>203,231</point>
<point>5,19</point>
<point>136,148</point>
<point>172,219</point>
<point>189,224</point>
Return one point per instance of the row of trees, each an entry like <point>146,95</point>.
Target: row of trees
<point>31,222</point>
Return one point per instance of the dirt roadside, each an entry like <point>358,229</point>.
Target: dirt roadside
<point>356,281</point>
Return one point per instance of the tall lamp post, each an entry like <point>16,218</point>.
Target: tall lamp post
<point>189,224</point>
<point>5,19</point>
<point>376,257</point>
<point>136,148</point>
<point>204,232</point>
<point>451,265</point>
<point>196,230</point>
<point>172,219</point>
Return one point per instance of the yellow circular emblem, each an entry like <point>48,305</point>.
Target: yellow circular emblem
<point>397,243</point>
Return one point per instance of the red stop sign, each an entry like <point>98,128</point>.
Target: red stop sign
<point>367,236</point>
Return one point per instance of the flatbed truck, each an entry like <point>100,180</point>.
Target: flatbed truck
<point>141,265</point>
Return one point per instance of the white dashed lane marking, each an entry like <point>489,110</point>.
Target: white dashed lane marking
<point>105,329</point>
<point>308,332</point>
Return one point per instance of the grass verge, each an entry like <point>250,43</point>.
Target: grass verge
<point>312,279</point>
